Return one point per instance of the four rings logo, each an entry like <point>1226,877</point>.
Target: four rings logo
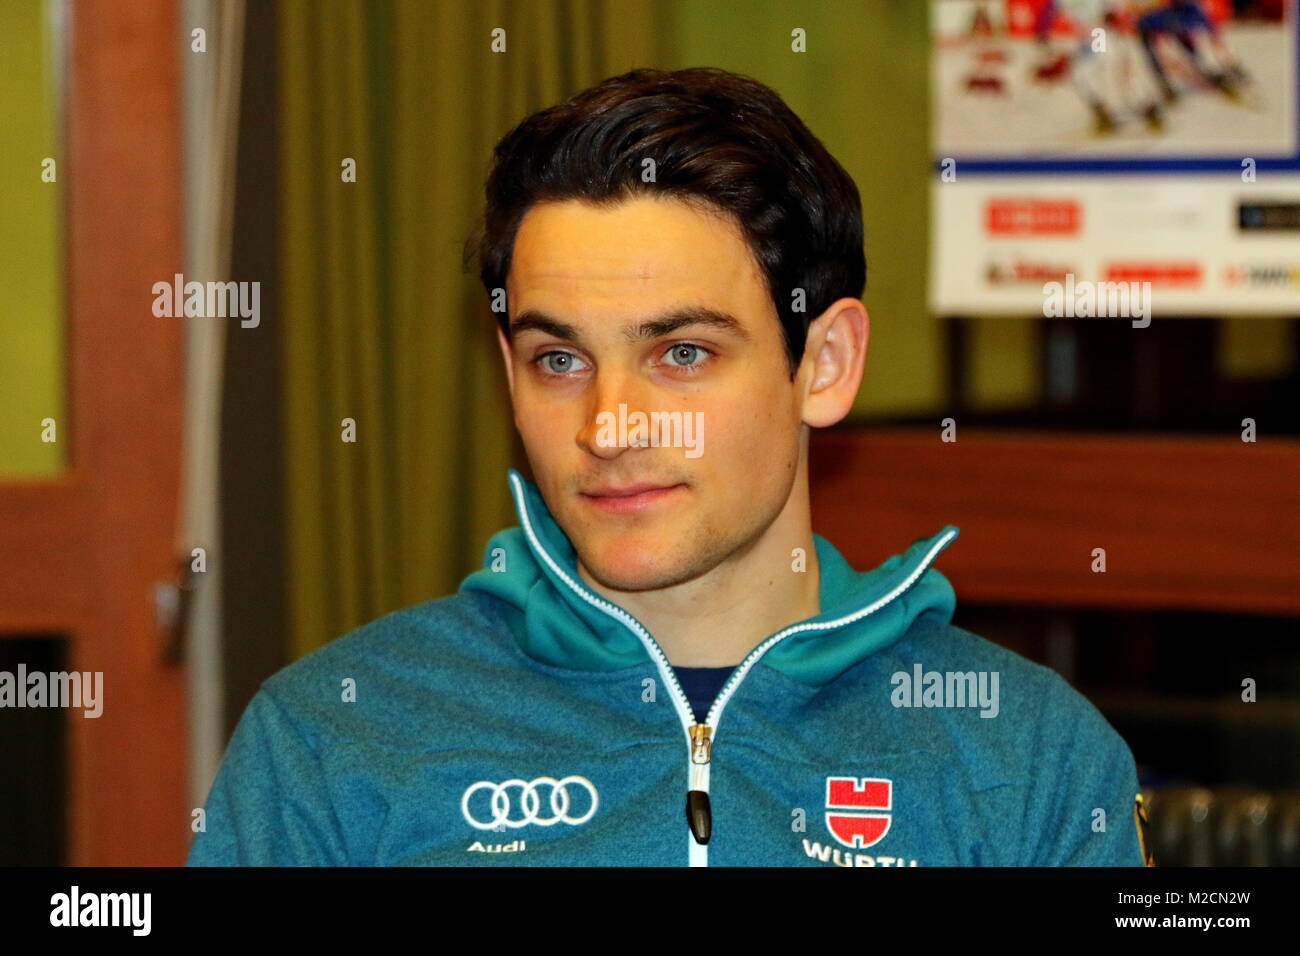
<point>517,803</point>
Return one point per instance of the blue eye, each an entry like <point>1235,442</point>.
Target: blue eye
<point>689,349</point>
<point>563,369</point>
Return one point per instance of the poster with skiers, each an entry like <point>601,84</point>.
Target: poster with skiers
<point>1153,141</point>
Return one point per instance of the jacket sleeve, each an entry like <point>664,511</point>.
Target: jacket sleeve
<point>269,804</point>
<point>1080,809</point>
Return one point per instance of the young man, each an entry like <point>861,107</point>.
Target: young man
<point>662,664</point>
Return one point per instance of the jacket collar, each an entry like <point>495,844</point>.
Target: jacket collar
<point>559,621</point>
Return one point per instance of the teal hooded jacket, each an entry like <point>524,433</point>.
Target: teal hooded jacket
<point>526,720</point>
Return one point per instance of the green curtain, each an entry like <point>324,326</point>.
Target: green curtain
<point>380,322</point>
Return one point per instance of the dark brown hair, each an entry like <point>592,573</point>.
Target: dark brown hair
<point>718,139</point>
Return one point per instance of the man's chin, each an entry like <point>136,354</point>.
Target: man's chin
<point>632,566</point>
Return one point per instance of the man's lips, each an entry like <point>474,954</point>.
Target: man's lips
<point>625,498</point>
<point>623,491</point>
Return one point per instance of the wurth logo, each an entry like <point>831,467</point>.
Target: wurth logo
<point>833,854</point>
<point>859,809</point>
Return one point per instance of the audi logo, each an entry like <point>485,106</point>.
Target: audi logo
<point>511,810</point>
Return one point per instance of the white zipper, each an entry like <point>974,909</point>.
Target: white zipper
<point>699,753</point>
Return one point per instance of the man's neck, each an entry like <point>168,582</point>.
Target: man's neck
<point>719,617</point>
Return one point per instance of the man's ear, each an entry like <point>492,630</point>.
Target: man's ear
<point>832,362</point>
<point>507,355</point>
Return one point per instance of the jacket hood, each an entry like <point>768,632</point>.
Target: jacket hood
<point>558,620</point>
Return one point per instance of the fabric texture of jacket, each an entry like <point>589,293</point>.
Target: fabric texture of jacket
<point>526,720</point>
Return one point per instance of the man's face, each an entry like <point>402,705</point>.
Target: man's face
<point>603,273</point>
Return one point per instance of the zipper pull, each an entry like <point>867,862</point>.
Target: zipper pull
<point>699,815</point>
<point>700,744</point>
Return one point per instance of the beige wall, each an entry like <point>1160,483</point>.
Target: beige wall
<point>31,318</point>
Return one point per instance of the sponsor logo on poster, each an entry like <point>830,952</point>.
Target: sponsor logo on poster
<point>1280,275</point>
<point>1027,272</point>
<point>1006,216</point>
<point>1181,274</point>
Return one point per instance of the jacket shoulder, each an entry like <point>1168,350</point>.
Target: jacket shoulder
<point>1061,778</point>
<point>1032,715</point>
<point>405,668</point>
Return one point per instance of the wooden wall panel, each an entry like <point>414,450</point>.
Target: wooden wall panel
<point>1191,523</point>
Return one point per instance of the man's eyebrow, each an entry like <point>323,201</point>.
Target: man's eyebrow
<point>661,325</point>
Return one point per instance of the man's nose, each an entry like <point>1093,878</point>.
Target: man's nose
<point>613,399</point>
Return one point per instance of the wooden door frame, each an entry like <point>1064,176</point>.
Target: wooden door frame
<point>80,554</point>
